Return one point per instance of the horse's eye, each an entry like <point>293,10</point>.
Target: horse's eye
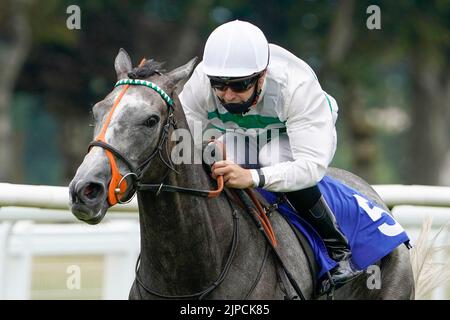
<point>150,122</point>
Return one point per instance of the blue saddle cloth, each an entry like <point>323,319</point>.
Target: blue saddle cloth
<point>371,231</point>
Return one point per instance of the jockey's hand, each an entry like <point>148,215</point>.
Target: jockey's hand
<point>234,176</point>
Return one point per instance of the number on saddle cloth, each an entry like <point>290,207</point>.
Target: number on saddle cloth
<point>372,231</point>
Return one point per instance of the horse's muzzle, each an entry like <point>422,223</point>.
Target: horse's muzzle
<point>87,199</point>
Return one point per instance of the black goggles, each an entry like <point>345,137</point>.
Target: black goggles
<point>240,84</point>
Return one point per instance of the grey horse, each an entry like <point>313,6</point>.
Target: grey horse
<point>187,240</point>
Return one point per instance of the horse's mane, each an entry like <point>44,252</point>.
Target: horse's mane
<point>149,68</point>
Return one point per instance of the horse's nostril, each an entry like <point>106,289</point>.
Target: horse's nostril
<point>74,197</point>
<point>91,190</point>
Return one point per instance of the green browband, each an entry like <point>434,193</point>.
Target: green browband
<point>149,84</point>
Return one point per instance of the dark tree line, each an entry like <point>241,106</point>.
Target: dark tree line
<point>51,76</point>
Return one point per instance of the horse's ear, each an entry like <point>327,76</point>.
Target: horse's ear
<point>122,64</point>
<point>179,76</point>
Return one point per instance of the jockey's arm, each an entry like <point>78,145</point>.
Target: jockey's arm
<point>312,138</point>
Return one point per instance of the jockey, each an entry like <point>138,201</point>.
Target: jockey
<point>262,94</point>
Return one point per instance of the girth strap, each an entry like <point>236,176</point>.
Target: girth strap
<point>253,213</point>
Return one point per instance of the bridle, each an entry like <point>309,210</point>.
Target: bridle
<point>118,185</point>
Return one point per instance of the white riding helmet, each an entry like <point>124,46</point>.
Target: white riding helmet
<point>235,49</point>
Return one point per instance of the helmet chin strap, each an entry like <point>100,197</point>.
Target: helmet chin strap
<point>242,107</point>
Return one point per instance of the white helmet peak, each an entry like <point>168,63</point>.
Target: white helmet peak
<point>235,49</point>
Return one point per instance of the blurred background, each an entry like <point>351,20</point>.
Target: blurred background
<point>392,83</point>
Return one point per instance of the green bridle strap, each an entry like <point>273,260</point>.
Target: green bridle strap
<point>149,84</point>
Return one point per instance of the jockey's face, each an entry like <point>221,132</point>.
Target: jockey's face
<point>229,96</point>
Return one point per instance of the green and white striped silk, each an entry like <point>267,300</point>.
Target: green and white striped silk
<point>149,84</point>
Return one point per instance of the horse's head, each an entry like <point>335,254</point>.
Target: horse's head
<point>129,126</point>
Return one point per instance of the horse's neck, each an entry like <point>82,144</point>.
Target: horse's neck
<point>184,238</point>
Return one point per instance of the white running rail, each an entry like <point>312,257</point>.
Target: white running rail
<point>35,222</point>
